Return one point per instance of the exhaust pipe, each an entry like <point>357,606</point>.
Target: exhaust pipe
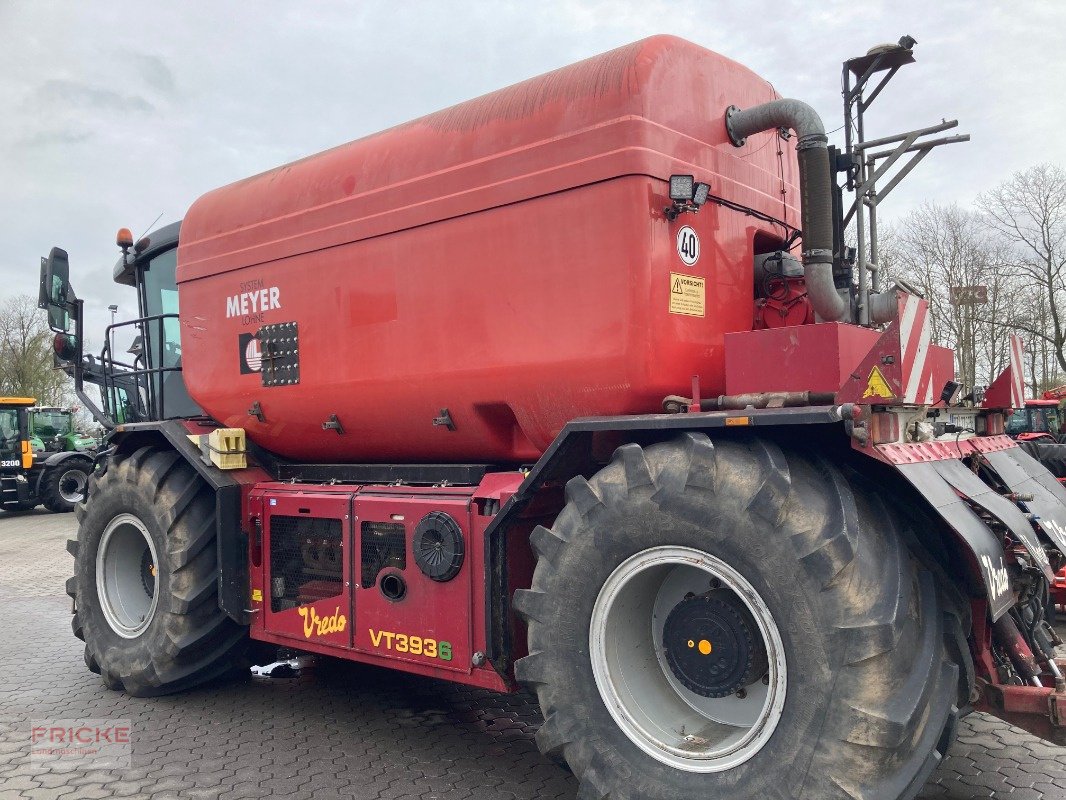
<point>816,199</point>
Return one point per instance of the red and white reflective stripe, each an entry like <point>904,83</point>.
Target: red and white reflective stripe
<point>1017,375</point>
<point>914,334</point>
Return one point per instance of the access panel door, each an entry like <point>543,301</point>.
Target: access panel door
<point>412,580</point>
<point>307,562</point>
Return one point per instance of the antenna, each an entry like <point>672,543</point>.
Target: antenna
<point>152,225</point>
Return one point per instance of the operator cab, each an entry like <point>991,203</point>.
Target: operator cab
<point>150,269</point>
<point>139,368</point>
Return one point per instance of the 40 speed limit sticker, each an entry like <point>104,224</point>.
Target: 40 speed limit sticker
<point>688,246</point>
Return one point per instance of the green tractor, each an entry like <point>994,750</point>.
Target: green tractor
<point>32,475</point>
<point>52,430</point>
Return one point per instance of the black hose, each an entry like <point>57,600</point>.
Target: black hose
<point>816,191</point>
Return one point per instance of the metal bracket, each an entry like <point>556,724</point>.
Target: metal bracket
<point>333,424</point>
<point>257,411</point>
<point>444,420</point>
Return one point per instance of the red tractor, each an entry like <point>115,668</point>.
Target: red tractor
<point>533,391</point>
<point>1036,420</point>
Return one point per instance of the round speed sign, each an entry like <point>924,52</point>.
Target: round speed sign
<point>688,245</point>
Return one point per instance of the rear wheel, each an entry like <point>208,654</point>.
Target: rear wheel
<point>64,485</point>
<point>145,579</point>
<point>732,619</point>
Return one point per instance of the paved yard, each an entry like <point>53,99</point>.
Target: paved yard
<point>342,731</point>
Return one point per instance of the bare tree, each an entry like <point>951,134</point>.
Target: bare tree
<point>26,354</point>
<point>939,247</point>
<point>1029,212</point>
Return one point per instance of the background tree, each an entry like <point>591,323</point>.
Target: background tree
<point>938,247</point>
<point>26,354</point>
<point>1028,212</point>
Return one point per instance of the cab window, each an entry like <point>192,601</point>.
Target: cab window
<point>161,297</point>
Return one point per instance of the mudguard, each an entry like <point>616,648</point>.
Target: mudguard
<point>1027,476</point>
<point>986,547</point>
<point>960,497</point>
<point>1006,511</point>
<point>58,458</point>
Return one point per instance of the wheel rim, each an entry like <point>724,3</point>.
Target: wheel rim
<point>645,693</point>
<point>72,485</point>
<point>127,576</point>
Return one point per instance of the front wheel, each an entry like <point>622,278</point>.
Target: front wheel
<point>63,486</point>
<point>145,580</point>
<point>732,620</point>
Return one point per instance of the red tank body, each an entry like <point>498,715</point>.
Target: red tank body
<point>507,259</point>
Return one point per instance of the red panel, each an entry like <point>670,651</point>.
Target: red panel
<point>943,361</point>
<point>317,605</point>
<point>817,358</point>
<point>432,623</point>
<point>507,259</point>
<point>436,627</point>
<point>919,452</point>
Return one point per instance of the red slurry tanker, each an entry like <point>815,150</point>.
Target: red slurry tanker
<point>577,386</point>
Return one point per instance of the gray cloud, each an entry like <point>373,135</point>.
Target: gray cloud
<point>57,93</point>
<point>155,73</point>
<point>57,138</point>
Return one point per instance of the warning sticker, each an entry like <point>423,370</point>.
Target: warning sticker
<point>688,295</point>
<point>877,386</point>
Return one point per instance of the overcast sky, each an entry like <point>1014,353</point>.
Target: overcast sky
<point>115,114</point>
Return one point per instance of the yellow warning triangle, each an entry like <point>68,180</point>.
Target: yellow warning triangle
<point>877,386</point>
<point>676,288</point>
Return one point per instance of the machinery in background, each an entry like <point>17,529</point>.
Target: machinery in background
<point>53,430</point>
<point>31,475</point>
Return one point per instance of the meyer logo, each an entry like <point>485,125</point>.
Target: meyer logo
<point>252,301</point>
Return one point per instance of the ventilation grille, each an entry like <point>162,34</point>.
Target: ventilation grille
<point>306,561</point>
<point>384,545</point>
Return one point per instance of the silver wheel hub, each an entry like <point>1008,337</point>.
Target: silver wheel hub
<point>72,485</point>
<point>670,628</point>
<point>127,579</point>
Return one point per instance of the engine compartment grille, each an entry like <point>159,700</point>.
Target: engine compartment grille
<point>306,560</point>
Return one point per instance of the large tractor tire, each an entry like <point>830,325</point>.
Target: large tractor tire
<point>145,580</point>
<point>732,620</point>
<point>64,485</point>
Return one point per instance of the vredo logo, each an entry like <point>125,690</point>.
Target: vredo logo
<point>252,301</point>
<point>1053,527</point>
<point>998,580</point>
<point>320,626</point>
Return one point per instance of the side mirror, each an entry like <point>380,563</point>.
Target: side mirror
<point>55,293</point>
